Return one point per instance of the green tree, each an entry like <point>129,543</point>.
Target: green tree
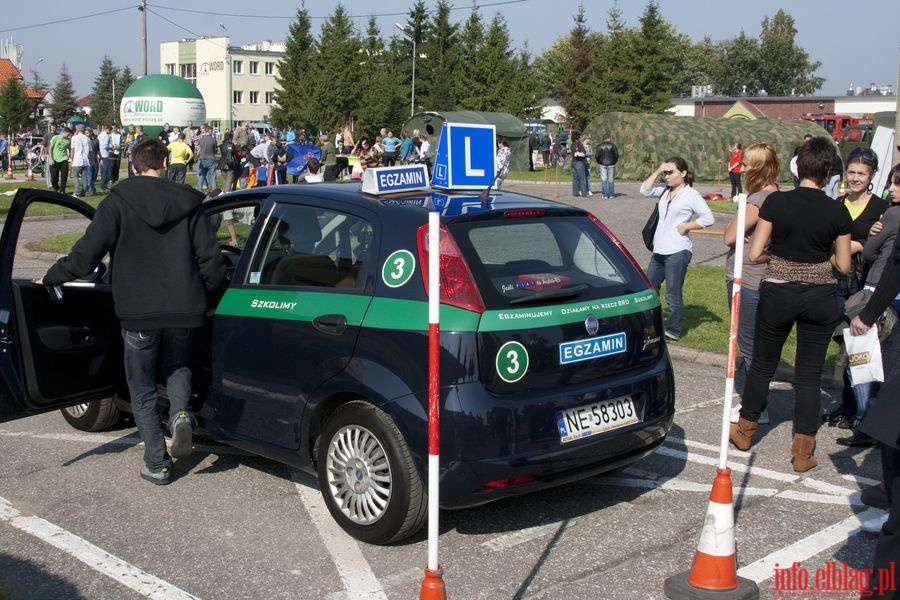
<point>15,108</point>
<point>441,47</point>
<point>654,78</point>
<point>740,71</point>
<point>104,108</point>
<point>785,67</point>
<point>523,91</point>
<point>614,75</point>
<point>573,90</point>
<point>381,102</point>
<point>493,65</point>
<point>292,106</point>
<point>416,28</point>
<point>338,78</point>
<point>701,64</point>
<point>469,86</point>
<point>64,102</point>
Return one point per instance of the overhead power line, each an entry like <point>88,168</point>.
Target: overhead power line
<point>69,20</point>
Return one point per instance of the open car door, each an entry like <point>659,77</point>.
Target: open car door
<point>54,352</point>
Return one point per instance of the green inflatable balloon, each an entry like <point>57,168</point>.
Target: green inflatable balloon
<point>154,100</point>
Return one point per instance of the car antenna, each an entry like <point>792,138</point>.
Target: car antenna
<point>485,194</point>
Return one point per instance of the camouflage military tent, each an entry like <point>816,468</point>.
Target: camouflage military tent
<point>644,140</point>
<point>507,126</point>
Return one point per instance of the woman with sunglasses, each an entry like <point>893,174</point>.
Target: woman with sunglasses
<point>760,165</point>
<point>865,209</point>
<point>672,245</point>
<point>804,236</point>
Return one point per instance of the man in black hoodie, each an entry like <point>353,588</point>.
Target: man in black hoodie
<point>165,266</point>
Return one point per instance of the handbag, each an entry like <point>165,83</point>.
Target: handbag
<point>864,356</point>
<point>649,229</point>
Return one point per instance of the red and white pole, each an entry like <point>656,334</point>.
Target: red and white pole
<point>433,584</point>
<point>733,330</point>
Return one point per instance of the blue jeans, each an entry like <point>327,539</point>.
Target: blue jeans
<point>206,173</point>
<point>607,180</point>
<point>746,330</point>
<point>104,172</point>
<point>579,176</point>
<point>671,268</point>
<point>80,177</point>
<point>92,178</point>
<point>142,352</point>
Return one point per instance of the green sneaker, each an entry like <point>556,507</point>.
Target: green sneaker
<point>182,436</point>
<point>162,476</point>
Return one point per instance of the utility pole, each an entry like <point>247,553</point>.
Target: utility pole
<point>143,9</point>
<point>896,157</point>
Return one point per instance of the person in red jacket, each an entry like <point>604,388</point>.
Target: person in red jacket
<point>735,167</point>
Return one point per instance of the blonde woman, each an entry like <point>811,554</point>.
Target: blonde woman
<point>760,164</point>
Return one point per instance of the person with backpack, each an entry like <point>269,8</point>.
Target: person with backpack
<point>229,163</point>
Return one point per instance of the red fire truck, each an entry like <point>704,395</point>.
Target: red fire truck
<point>832,123</point>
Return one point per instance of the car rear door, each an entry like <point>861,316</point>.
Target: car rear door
<point>54,352</point>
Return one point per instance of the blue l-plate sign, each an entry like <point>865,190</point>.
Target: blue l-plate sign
<point>465,156</point>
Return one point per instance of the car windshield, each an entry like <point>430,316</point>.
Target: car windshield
<point>549,259</point>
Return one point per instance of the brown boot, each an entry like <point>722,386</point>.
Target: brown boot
<point>802,450</point>
<point>742,433</point>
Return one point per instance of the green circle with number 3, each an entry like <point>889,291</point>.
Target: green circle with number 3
<point>512,362</point>
<point>398,268</point>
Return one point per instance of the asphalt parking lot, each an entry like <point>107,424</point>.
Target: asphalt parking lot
<point>76,521</point>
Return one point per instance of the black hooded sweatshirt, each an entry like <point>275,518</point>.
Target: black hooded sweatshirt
<point>165,261</point>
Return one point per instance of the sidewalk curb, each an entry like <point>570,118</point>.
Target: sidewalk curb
<point>713,359</point>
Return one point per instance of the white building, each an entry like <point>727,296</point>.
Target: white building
<point>237,82</point>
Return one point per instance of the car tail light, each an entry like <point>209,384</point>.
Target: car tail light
<point>457,283</point>
<point>498,484</point>
<point>621,247</point>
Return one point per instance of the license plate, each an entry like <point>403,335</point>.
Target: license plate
<point>593,419</point>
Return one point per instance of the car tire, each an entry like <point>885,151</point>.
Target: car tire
<point>367,476</point>
<point>96,415</point>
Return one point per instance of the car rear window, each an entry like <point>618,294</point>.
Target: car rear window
<point>550,259</point>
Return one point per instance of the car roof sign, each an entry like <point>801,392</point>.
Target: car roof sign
<point>465,156</point>
<point>387,180</point>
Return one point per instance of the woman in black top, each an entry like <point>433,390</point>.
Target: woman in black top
<point>803,225</point>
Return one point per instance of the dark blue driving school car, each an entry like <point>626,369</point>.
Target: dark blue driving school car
<point>553,367</point>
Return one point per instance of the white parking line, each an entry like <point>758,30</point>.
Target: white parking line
<point>128,441</point>
<point>509,540</point>
<point>94,557</point>
<point>809,546</point>
<point>356,575</point>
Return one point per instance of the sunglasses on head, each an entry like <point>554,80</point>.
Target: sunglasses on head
<point>864,153</point>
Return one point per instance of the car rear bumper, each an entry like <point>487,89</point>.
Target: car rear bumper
<point>498,446</point>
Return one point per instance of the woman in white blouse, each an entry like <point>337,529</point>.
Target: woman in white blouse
<point>679,204</point>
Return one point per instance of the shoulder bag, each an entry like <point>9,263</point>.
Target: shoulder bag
<point>649,229</point>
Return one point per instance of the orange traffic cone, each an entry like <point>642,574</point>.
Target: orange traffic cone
<point>714,572</point>
<point>9,173</point>
<point>29,176</point>
<point>433,585</point>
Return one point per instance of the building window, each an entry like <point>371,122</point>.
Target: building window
<point>254,67</point>
<point>237,67</point>
<point>189,72</point>
<point>170,68</point>
<point>270,68</point>
<point>254,97</point>
<point>270,97</point>
<point>237,97</point>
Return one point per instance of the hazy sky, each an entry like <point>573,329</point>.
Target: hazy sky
<point>856,42</point>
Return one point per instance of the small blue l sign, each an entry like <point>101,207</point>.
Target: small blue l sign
<point>465,156</point>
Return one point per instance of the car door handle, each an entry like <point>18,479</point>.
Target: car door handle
<point>331,324</point>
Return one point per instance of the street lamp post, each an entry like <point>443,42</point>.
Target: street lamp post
<point>412,37</point>
<point>228,76</point>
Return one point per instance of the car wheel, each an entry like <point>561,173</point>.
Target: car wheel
<point>367,475</point>
<point>92,416</point>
